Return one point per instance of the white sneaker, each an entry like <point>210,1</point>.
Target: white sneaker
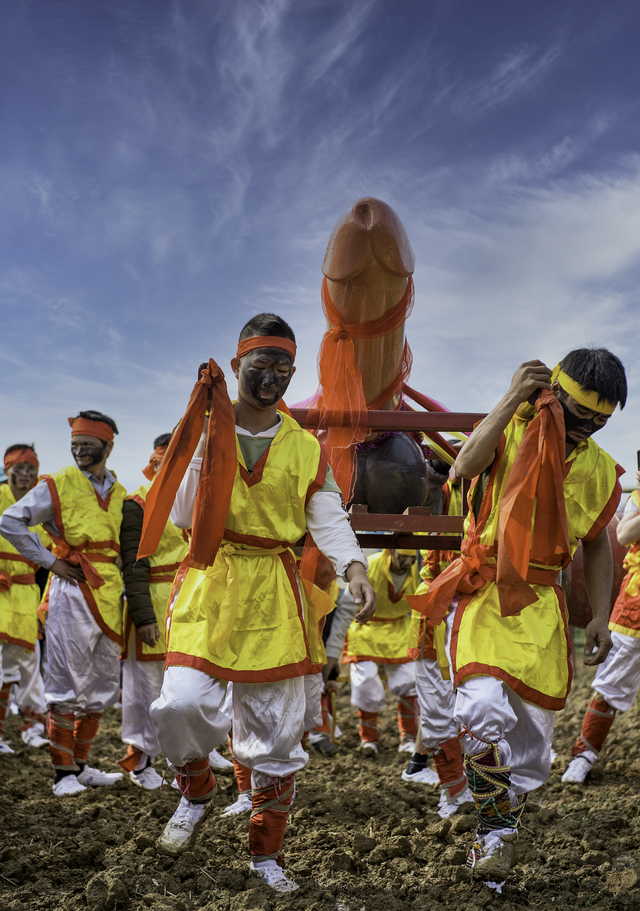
<point>33,736</point>
<point>94,778</point>
<point>553,755</point>
<point>422,776</point>
<point>4,747</point>
<point>407,746</point>
<point>181,831</point>
<point>493,855</point>
<point>148,778</point>
<point>218,762</point>
<point>368,746</point>
<point>447,808</point>
<point>68,786</point>
<point>273,875</point>
<point>241,805</point>
<point>579,768</point>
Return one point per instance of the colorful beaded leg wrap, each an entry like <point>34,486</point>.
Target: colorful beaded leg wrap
<point>268,821</point>
<point>489,783</point>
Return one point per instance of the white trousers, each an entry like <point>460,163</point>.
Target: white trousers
<point>436,700</point>
<point>83,673</point>
<point>21,666</point>
<point>617,679</point>
<point>367,690</point>
<point>268,722</point>
<point>313,690</point>
<point>141,685</point>
<point>493,713</point>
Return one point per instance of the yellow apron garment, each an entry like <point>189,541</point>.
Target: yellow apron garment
<point>90,526</point>
<point>19,594</point>
<point>165,564</point>
<point>530,651</point>
<point>385,637</point>
<point>247,617</point>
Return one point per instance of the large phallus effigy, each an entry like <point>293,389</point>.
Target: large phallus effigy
<point>365,360</point>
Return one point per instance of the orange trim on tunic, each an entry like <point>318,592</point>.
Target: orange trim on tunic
<point>97,616</point>
<point>609,510</point>
<point>17,558</point>
<point>304,667</point>
<point>21,642</point>
<point>321,476</point>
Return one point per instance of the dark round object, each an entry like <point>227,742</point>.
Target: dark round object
<point>578,601</point>
<point>391,476</point>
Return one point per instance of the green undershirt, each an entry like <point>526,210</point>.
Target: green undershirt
<point>253,448</point>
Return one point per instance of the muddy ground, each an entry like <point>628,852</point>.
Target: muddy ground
<point>579,848</point>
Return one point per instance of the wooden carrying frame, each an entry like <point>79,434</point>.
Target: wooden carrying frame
<point>384,530</point>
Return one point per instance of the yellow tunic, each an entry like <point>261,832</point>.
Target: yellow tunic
<point>247,618</point>
<point>165,564</point>
<point>19,594</point>
<point>90,526</point>
<point>384,639</point>
<point>531,651</point>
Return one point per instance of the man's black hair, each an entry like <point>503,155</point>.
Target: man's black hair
<point>20,446</point>
<point>98,416</point>
<point>267,324</point>
<point>162,440</point>
<point>597,370</point>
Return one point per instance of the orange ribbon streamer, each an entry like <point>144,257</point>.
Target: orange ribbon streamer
<point>216,477</point>
<point>341,381</point>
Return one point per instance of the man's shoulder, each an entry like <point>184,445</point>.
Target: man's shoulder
<point>293,431</point>
<point>140,493</point>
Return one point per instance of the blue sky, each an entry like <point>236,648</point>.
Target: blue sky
<point>168,169</point>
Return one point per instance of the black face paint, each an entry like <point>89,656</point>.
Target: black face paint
<point>573,423</point>
<point>96,455</point>
<point>265,385</point>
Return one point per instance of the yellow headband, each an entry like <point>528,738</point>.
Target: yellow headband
<point>581,396</point>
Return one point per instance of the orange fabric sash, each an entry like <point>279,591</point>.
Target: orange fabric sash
<point>216,477</point>
<point>7,580</point>
<point>78,557</point>
<point>537,475</point>
<point>341,380</point>
<point>537,471</point>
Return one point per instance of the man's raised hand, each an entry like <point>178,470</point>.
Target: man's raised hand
<point>529,378</point>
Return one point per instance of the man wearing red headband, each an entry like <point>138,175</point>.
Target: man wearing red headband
<point>81,508</point>
<point>148,585</point>
<point>19,599</point>
<point>238,613</point>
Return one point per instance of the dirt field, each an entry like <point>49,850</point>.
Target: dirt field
<point>359,838</point>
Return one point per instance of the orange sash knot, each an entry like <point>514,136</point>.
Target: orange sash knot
<point>64,551</point>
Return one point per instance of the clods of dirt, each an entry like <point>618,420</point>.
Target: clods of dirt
<point>359,839</point>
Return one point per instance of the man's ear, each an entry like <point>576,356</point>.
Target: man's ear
<point>235,366</point>
<point>108,449</point>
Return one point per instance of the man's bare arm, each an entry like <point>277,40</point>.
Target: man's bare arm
<point>597,568</point>
<point>479,452</point>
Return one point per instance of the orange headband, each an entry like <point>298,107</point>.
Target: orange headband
<point>266,341</point>
<point>149,471</point>
<point>91,428</point>
<point>20,455</point>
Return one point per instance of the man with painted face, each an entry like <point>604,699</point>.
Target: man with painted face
<point>241,614</point>
<point>19,600</point>
<point>394,575</point>
<point>540,485</point>
<point>81,509</point>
